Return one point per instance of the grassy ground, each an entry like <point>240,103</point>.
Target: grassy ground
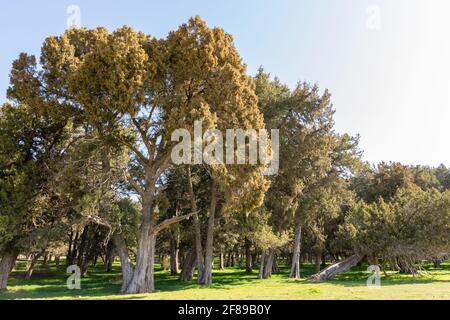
<point>50,283</point>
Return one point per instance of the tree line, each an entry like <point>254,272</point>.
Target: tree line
<point>86,171</point>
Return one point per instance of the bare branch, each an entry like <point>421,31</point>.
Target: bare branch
<point>168,222</point>
<point>134,184</point>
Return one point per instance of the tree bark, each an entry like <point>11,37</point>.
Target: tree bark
<point>125,262</point>
<point>295,267</point>
<point>275,267</point>
<point>248,257</point>
<point>269,265</point>
<point>334,269</point>
<point>317,262</point>
<point>7,262</point>
<point>261,266</point>
<point>143,281</point>
<point>189,262</point>
<point>209,254</point>
<point>437,263</point>
<point>174,252</point>
<point>30,267</point>
<point>198,234</point>
<point>222,261</point>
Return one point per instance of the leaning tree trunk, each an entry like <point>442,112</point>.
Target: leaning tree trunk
<point>295,267</point>
<point>30,267</point>
<point>334,269</point>
<point>7,262</point>
<point>125,262</point>
<point>209,254</point>
<point>261,266</point>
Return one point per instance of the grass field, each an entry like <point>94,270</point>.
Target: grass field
<point>233,283</point>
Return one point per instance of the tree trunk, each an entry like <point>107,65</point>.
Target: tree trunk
<point>174,252</point>
<point>295,267</point>
<point>275,267</point>
<point>334,269</point>
<point>261,266</point>
<point>143,281</point>
<point>125,262</point>
<point>437,263</point>
<point>222,261</point>
<point>31,265</point>
<point>198,234</point>
<point>317,262</point>
<point>248,257</point>
<point>109,256</point>
<point>189,262</point>
<point>209,254</point>
<point>46,259</point>
<point>7,262</point>
<point>269,265</point>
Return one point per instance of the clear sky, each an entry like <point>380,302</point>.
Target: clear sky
<point>386,62</point>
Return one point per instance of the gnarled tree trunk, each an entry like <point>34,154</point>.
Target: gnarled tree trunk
<point>334,269</point>
<point>189,262</point>
<point>143,281</point>
<point>7,262</point>
<point>125,262</point>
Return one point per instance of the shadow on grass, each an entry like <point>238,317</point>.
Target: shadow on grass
<point>50,282</point>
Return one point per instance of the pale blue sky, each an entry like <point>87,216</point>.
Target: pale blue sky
<point>386,62</point>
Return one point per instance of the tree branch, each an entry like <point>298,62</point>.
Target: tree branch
<point>134,184</point>
<point>168,222</point>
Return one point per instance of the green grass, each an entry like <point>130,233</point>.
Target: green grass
<point>233,283</point>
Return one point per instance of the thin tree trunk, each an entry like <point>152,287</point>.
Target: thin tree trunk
<point>437,263</point>
<point>334,269</point>
<point>248,257</point>
<point>7,262</point>
<point>295,267</point>
<point>317,262</point>
<point>261,266</point>
<point>275,267</point>
<point>269,265</point>
<point>222,261</point>
<point>209,254</point>
<point>197,228</point>
<point>30,267</point>
<point>174,252</point>
<point>109,256</point>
